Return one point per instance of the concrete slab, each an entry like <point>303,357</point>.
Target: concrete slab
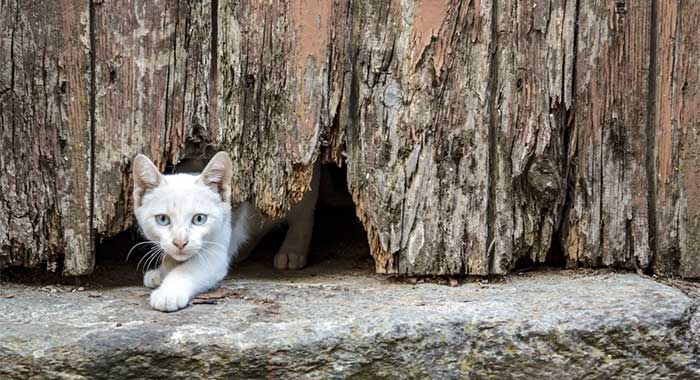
<point>350,323</point>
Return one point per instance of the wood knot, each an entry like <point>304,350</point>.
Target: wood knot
<point>544,181</point>
<point>249,80</point>
<point>620,7</point>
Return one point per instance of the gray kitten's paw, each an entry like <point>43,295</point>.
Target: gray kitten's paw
<point>152,279</point>
<point>289,260</point>
<point>169,299</point>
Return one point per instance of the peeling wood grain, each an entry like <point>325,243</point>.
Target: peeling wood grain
<point>133,57</point>
<point>417,150</point>
<point>608,222</point>
<point>152,65</point>
<point>340,55</point>
<point>666,143</point>
<point>688,89</point>
<point>535,63</point>
<point>676,139</point>
<point>270,114</point>
<point>192,95</point>
<point>44,139</point>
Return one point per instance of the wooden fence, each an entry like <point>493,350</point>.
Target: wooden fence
<point>476,132</point>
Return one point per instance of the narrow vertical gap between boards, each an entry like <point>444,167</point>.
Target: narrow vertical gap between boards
<point>92,136</point>
<point>492,157</point>
<point>650,135</point>
<point>214,64</point>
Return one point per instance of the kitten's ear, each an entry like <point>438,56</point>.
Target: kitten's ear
<point>146,177</point>
<point>217,175</point>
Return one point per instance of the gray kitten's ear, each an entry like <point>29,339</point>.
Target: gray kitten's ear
<point>146,177</point>
<point>217,175</point>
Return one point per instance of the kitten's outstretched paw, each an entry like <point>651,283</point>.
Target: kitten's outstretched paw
<point>289,260</point>
<point>169,299</point>
<point>152,278</point>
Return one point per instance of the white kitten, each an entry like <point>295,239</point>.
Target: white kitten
<point>189,218</point>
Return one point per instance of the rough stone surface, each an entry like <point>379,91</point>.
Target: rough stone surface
<point>352,324</point>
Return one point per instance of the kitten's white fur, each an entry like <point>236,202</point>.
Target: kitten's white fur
<point>202,258</point>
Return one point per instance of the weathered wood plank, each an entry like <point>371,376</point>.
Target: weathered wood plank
<point>133,56</point>
<point>152,69</point>
<point>337,117</point>
<point>273,80</point>
<point>688,89</point>
<point>192,96</point>
<point>666,139</point>
<point>533,102</point>
<point>44,135</point>
<point>608,223</point>
<point>677,106</point>
<point>417,136</point>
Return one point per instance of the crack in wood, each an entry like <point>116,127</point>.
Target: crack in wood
<point>650,133</point>
<point>492,95</point>
<point>91,141</point>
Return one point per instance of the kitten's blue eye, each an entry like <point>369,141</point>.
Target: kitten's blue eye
<point>199,219</point>
<point>162,219</point>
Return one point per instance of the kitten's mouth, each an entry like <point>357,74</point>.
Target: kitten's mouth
<point>179,256</point>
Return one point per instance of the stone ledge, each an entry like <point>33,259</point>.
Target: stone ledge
<point>546,325</point>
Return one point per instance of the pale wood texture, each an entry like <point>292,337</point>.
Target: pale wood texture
<point>417,134</point>
<point>273,70</point>
<point>677,131</point>
<point>152,94</point>
<point>478,135</point>
<point>687,91</point>
<point>608,223</point>
<point>44,135</point>
<point>531,126</point>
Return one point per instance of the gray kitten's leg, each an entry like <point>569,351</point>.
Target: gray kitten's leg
<point>253,227</point>
<point>256,235</point>
<point>295,248</point>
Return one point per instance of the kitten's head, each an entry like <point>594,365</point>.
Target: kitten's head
<point>183,213</point>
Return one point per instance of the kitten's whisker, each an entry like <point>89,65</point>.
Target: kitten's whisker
<point>209,251</point>
<point>204,249</point>
<point>146,256</point>
<point>205,252</point>
<point>150,261</point>
<point>142,258</point>
<point>136,245</point>
<point>204,258</point>
<point>157,259</point>
<point>147,266</point>
<point>212,251</point>
<point>153,261</point>
<point>202,254</point>
<point>214,242</point>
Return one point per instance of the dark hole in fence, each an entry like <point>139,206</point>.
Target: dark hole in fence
<point>339,241</point>
<point>554,259</point>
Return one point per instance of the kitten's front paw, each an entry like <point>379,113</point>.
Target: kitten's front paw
<point>169,299</point>
<point>289,260</point>
<point>152,278</point>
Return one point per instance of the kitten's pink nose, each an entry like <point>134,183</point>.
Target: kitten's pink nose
<point>180,243</point>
